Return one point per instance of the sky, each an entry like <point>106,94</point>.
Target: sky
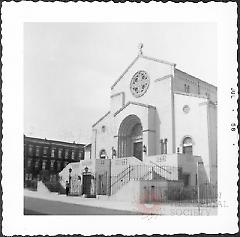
<point>70,67</point>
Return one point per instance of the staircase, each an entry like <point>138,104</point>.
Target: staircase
<point>137,172</point>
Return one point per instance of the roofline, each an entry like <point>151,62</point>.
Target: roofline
<point>44,140</point>
<point>135,59</point>
<point>159,60</point>
<point>196,78</point>
<point>134,103</point>
<point>105,115</point>
<point>190,94</point>
<point>131,64</point>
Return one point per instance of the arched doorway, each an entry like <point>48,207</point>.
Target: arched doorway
<point>130,138</point>
<point>187,145</point>
<point>102,154</point>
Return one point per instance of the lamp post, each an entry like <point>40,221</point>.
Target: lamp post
<point>144,149</point>
<point>70,171</point>
<point>113,153</point>
<point>86,169</point>
<point>198,196</point>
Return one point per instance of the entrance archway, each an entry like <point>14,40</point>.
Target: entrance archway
<point>187,145</point>
<point>130,138</point>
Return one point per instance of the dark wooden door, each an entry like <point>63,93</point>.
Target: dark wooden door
<point>86,184</point>
<point>137,150</point>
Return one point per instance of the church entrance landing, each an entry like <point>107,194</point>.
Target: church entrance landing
<point>130,138</point>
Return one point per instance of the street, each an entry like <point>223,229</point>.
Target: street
<point>37,206</point>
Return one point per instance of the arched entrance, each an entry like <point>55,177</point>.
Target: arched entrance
<point>130,138</point>
<point>187,145</point>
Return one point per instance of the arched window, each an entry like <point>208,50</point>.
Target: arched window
<point>102,154</point>
<point>187,145</point>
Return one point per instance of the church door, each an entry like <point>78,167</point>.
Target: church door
<point>86,184</point>
<point>137,150</point>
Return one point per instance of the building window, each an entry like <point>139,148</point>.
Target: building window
<point>52,164</point>
<point>30,177</point>
<point>80,155</point>
<point>45,151</point>
<point>59,166</point>
<point>53,152</point>
<point>165,146</point>
<point>161,146</point>
<point>102,154</point>
<point>37,151</point>
<point>66,153</point>
<point>59,153</point>
<point>29,163</point>
<point>187,145</point>
<point>36,164</point>
<point>43,164</point>
<point>30,150</point>
<point>103,128</point>
<point>73,155</point>
<point>186,88</point>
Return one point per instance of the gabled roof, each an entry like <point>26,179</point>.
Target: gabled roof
<point>134,103</point>
<point>105,115</point>
<point>134,61</point>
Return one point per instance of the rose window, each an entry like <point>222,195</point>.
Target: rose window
<point>139,83</point>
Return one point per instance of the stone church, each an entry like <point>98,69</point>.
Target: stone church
<point>159,117</point>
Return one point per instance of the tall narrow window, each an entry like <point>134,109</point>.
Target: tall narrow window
<point>43,164</point>
<point>29,163</point>
<point>45,151</point>
<point>185,87</point>
<point>53,152</point>
<point>30,150</point>
<point>73,155</point>
<point>37,151</point>
<point>80,155</point>
<point>66,154</point>
<point>161,146</point>
<point>187,145</point>
<point>165,146</point>
<point>59,153</point>
<point>36,164</point>
<point>52,164</point>
<point>59,166</point>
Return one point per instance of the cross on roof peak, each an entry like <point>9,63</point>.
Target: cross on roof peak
<point>140,47</point>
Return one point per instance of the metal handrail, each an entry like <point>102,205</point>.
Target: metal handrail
<point>161,167</point>
<point>119,178</point>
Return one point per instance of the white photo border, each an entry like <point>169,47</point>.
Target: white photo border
<point>13,17</point>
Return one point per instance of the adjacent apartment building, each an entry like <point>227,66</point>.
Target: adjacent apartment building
<point>49,157</point>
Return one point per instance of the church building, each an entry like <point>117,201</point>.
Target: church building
<point>159,117</point>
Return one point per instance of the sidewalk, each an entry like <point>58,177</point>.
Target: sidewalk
<point>147,209</point>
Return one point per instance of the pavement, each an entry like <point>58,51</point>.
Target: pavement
<point>36,202</point>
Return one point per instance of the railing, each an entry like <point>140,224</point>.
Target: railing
<point>142,172</point>
<point>121,179</point>
<point>160,167</point>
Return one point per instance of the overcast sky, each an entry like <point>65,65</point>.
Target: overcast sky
<point>70,67</point>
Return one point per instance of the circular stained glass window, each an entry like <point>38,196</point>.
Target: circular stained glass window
<point>186,109</point>
<point>139,83</point>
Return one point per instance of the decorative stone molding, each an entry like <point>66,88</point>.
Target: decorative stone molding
<point>101,119</point>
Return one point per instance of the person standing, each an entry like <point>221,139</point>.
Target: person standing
<point>67,188</point>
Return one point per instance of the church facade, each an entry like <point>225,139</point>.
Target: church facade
<point>159,117</point>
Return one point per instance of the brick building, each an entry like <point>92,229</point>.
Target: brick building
<point>48,157</point>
